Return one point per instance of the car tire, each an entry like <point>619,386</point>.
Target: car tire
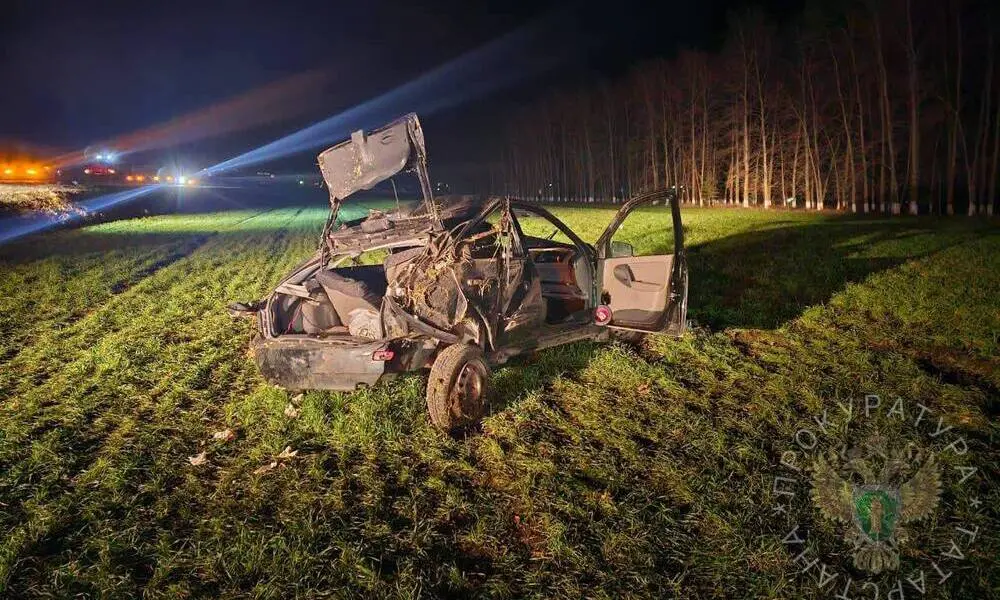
<point>459,388</point>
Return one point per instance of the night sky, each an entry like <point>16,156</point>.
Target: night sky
<point>76,73</point>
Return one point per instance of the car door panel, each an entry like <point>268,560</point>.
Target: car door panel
<point>637,289</point>
<point>646,293</point>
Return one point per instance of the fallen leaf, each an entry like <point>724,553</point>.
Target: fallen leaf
<point>265,468</point>
<point>291,412</point>
<point>297,398</point>
<point>198,460</point>
<point>226,435</point>
<point>287,453</point>
<point>643,389</point>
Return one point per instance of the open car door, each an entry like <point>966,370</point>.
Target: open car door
<point>642,271</point>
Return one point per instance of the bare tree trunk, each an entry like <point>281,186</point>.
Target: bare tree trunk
<point>694,191</point>
<point>746,123</point>
<point>914,169</point>
<point>765,175</point>
<point>651,119</point>
<point>862,140</point>
<point>985,173</point>
<point>955,118</point>
<point>704,137</point>
<point>888,163</point>
<point>795,169</point>
<point>993,169</point>
<point>847,130</point>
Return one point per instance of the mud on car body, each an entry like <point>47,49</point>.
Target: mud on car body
<point>460,287</point>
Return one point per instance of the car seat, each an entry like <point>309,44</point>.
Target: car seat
<point>355,303</point>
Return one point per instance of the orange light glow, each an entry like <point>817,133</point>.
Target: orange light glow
<point>8,171</point>
<point>86,171</point>
<point>31,172</point>
<point>169,178</point>
<point>192,181</point>
<point>141,178</point>
<point>129,178</point>
<point>156,178</point>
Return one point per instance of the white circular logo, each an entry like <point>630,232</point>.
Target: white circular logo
<point>865,493</point>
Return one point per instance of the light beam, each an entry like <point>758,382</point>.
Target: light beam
<point>498,64</point>
<point>17,227</point>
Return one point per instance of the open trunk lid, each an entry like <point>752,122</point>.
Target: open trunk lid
<point>365,160</point>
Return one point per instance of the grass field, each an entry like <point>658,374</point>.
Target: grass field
<point>604,471</point>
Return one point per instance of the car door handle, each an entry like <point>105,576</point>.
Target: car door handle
<point>624,274</point>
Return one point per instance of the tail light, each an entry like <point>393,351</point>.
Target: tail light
<point>602,315</point>
<point>383,355</point>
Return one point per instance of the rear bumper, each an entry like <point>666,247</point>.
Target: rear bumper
<point>311,364</point>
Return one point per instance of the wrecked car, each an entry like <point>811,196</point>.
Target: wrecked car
<point>456,287</point>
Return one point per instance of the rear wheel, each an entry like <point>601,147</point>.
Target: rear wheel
<point>459,388</point>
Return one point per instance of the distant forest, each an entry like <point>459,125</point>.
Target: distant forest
<point>889,107</point>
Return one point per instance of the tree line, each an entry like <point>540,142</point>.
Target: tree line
<point>889,107</point>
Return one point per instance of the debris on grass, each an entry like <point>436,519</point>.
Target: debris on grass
<point>198,459</point>
<point>265,468</point>
<point>226,435</point>
<point>292,410</point>
<point>287,453</point>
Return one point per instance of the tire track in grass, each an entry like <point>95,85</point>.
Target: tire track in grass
<point>23,313</point>
<point>88,415</point>
<point>188,249</point>
<point>56,298</point>
<point>128,281</point>
<point>57,353</point>
<point>31,369</point>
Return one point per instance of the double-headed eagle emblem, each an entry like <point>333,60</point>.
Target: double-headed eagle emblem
<point>876,505</point>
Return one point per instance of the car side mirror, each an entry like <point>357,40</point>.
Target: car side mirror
<point>621,249</point>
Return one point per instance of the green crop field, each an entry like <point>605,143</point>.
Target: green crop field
<point>603,470</point>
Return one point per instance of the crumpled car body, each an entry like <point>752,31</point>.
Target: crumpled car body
<point>452,271</point>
